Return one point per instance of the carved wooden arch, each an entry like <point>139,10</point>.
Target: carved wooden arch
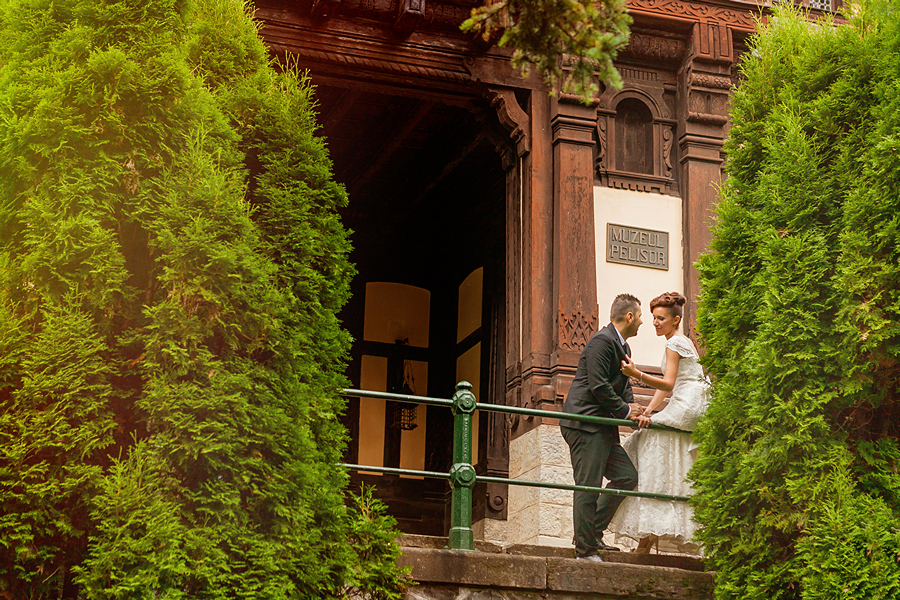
<point>637,94</point>
<point>661,179</point>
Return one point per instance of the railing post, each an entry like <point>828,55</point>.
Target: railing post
<point>462,473</point>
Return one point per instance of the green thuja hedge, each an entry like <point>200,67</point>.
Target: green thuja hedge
<point>797,486</point>
<point>171,263</point>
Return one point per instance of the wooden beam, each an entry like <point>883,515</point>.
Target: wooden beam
<point>461,154</point>
<point>461,96</point>
<point>383,154</point>
<point>339,109</point>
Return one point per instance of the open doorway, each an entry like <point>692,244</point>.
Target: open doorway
<point>427,211</point>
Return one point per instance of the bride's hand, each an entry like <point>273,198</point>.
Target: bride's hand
<point>628,368</point>
<point>644,421</point>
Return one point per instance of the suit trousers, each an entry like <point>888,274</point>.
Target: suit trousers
<point>593,458</point>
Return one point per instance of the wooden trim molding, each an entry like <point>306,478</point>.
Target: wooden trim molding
<point>724,15</point>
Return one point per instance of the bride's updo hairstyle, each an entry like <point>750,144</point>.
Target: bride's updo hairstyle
<point>670,300</point>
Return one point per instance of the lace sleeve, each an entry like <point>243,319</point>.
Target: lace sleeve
<point>682,346</point>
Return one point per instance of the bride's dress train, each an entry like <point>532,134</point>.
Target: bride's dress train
<point>663,458</point>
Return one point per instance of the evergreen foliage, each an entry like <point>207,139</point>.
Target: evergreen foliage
<point>797,482</point>
<point>568,42</point>
<point>171,262</point>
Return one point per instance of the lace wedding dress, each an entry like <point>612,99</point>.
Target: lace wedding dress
<point>662,459</point>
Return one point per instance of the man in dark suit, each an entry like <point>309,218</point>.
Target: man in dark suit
<point>601,389</point>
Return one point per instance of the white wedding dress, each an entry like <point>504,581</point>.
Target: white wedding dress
<point>662,459</point>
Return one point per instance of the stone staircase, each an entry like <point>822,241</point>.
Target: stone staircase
<point>522,572</point>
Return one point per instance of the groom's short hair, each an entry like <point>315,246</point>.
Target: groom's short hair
<point>622,305</point>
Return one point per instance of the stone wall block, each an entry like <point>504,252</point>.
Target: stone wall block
<point>567,528</point>
<point>554,450</point>
<point>549,522</point>
<point>522,497</point>
<point>561,475</point>
<point>495,529</point>
<point>528,523</point>
<point>557,497</point>
<point>525,453</point>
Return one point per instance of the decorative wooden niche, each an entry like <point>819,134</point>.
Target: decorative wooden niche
<point>634,144</point>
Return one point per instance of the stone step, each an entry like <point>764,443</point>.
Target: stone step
<point>687,563</point>
<point>495,572</point>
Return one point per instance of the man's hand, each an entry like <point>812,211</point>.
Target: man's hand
<point>636,411</point>
<point>629,369</point>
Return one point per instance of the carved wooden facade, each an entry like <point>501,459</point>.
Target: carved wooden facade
<point>398,81</point>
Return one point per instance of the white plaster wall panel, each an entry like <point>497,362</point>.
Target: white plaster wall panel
<point>658,212</point>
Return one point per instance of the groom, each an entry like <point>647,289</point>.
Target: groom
<point>601,389</point>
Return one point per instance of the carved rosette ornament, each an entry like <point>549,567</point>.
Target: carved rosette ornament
<point>576,329</point>
<point>711,81</point>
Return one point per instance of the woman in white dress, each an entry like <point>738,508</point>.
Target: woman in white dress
<point>662,458</point>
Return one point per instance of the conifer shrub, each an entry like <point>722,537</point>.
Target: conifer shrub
<point>171,265</point>
<point>797,484</point>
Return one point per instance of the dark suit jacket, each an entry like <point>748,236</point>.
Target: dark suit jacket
<point>600,388</point>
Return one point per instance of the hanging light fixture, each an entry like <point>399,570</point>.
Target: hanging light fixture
<point>404,415</point>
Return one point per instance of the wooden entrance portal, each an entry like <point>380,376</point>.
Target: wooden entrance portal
<point>473,200</point>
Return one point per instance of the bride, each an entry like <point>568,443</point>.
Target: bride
<point>662,458</point>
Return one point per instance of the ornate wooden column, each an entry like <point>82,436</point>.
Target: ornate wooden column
<point>551,265</point>
<point>552,296</point>
<point>516,150</point>
<point>574,261</point>
<point>529,274</point>
<point>704,82</point>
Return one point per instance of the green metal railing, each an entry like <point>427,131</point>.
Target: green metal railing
<point>462,474</point>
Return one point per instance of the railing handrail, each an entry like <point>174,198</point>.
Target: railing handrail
<point>462,474</point>
<point>522,482</point>
<point>533,412</point>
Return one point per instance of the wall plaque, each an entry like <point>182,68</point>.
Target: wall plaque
<point>635,246</point>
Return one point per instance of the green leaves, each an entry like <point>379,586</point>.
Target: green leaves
<point>171,265</point>
<point>567,41</point>
<point>796,481</point>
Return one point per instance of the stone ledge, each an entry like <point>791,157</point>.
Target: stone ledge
<point>475,568</point>
<point>621,580</point>
<point>445,573</point>
<point>686,563</point>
